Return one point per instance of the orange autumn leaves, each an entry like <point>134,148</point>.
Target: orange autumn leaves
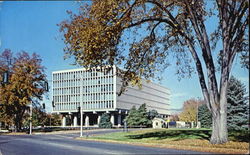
<point>26,84</point>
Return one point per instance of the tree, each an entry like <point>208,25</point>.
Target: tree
<point>39,117</point>
<point>152,114</point>
<point>174,118</point>
<point>143,115</point>
<point>150,30</point>
<point>189,113</point>
<point>238,105</point>
<point>138,117</point>
<point>237,108</point>
<point>25,87</point>
<point>132,117</point>
<point>204,116</point>
<point>5,61</point>
<point>105,121</point>
<point>53,120</point>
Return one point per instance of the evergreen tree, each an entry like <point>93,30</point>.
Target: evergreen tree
<point>138,117</point>
<point>105,121</point>
<point>204,116</point>
<point>143,116</point>
<point>238,107</point>
<point>132,117</point>
<point>152,114</point>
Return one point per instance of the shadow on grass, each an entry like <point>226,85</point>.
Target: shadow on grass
<point>240,136</point>
<point>175,134</point>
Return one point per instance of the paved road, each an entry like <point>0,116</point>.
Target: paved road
<point>65,144</point>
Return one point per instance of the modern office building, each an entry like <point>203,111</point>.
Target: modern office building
<point>97,89</point>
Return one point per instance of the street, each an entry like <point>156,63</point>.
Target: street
<point>64,144</point>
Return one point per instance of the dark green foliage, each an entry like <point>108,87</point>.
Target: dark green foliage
<point>131,119</point>
<point>238,107</point>
<point>105,121</point>
<point>143,115</point>
<point>204,116</point>
<point>138,117</point>
<point>152,114</point>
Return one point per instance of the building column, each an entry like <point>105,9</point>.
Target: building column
<point>192,124</point>
<point>75,120</point>
<point>119,120</point>
<point>86,120</point>
<point>98,119</point>
<point>63,121</point>
<point>112,119</point>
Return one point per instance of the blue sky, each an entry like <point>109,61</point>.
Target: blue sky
<point>32,26</point>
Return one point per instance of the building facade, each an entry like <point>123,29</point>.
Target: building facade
<point>97,89</point>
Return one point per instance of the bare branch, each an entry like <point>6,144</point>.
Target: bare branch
<point>151,19</point>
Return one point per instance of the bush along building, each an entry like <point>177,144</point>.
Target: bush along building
<point>98,89</point>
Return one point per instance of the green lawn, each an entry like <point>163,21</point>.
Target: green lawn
<point>171,134</point>
<point>191,139</point>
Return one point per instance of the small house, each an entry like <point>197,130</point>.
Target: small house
<point>159,123</point>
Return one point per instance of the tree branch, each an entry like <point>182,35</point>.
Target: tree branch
<point>200,29</point>
<point>236,19</point>
<point>200,74</point>
<point>193,52</point>
<point>150,19</point>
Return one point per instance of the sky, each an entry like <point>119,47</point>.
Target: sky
<point>32,26</point>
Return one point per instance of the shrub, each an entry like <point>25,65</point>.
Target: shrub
<point>105,121</point>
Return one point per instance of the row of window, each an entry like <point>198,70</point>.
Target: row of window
<point>86,98</point>
<point>86,90</point>
<point>88,82</point>
<point>86,106</point>
<point>79,74</point>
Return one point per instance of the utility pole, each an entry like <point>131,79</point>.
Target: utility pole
<point>50,120</point>
<point>197,115</point>
<point>30,118</point>
<point>81,103</point>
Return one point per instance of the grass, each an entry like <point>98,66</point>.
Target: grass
<point>187,139</point>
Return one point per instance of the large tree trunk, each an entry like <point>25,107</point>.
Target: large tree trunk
<point>18,123</point>
<point>219,132</point>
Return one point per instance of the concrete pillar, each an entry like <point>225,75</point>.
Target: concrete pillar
<point>98,119</point>
<point>119,120</point>
<point>112,119</point>
<point>198,125</point>
<point>192,124</point>
<point>87,120</point>
<point>63,121</point>
<point>75,120</point>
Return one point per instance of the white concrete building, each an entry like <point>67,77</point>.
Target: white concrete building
<point>99,95</point>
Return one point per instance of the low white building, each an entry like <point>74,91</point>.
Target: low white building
<point>98,92</point>
<point>158,123</point>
